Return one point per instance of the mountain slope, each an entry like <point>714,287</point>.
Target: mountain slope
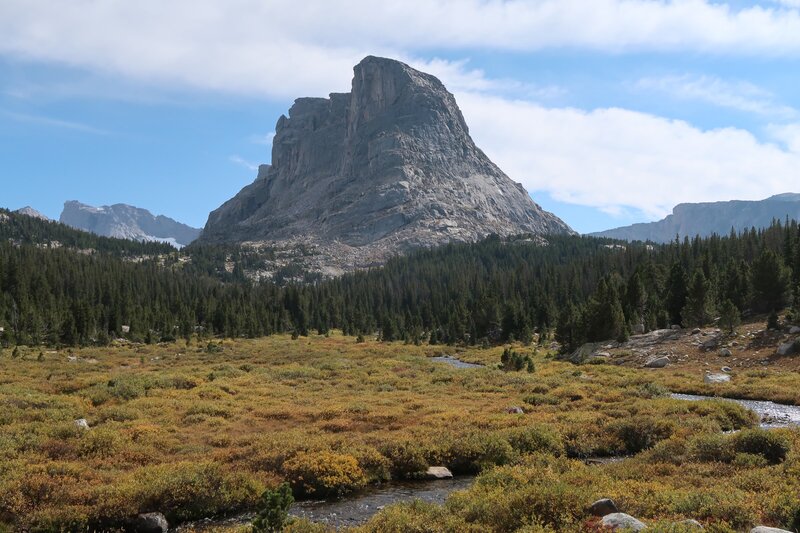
<point>361,176</point>
<point>127,222</point>
<point>704,219</point>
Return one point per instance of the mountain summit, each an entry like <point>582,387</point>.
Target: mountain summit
<point>361,176</point>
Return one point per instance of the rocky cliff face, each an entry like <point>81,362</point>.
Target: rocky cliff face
<point>364,175</point>
<point>704,219</point>
<point>127,222</point>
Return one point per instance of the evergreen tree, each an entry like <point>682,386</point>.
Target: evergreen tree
<point>771,282</point>
<point>698,308</point>
<point>676,292</point>
<point>730,317</point>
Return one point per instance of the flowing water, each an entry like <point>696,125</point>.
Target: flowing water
<point>452,361</point>
<point>773,415</point>
<point>356,508</point>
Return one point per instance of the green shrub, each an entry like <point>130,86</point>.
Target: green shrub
<point>273,510</point>
<point>641,432</point>
<point>407,458</point>
<point>536,439</point>
<point>768,444</point>
<point>541,399</point>
<point>711,448</point>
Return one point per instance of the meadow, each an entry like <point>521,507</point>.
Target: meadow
<point>202,428</point>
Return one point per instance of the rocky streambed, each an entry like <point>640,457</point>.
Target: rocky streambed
<point>353,509</point>
<point>773,415</point>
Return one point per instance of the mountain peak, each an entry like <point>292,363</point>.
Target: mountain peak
<point>31,212</point>
<point>127,222</point>
<point>364,175</point>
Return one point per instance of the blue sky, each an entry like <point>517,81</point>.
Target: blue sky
<point>608,111</point>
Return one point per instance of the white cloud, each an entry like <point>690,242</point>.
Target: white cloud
<point>282,48</point>
<point>243,162</point>
<point>263,140</point>
<point>53,122</point>
<point>615,159</point>
<point>739,95</point>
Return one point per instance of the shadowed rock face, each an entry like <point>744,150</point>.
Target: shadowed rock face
<point>370,173</point>
<point>127,222</point>
<point>705,219</point>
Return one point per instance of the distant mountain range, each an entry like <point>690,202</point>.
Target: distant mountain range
<point>704,219</point>
<point>127,222</point>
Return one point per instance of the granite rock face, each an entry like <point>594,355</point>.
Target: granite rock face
<point>705,219</point>
<point>127,222</point>
<point>365,175</point>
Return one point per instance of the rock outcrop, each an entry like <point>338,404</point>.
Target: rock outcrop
<point>127,222</point>
<point>361,176</point>
<point>704,219</point>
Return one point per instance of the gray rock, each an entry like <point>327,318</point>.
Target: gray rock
<point>690,523</point>
<point>81,423</point>
<point>726,369</point>
<point>603,507</point>
<point>725,352</point>
<point>696,331</point>
<point>658,362</point>
<point>675,327</point>
<point>126,222</point>
<point>622,521</point>
<point>765,529</point>
<point>716,378</point>
<point>710,344</point>
<point>794,330</point>
<point>388,167</point>
<point>515,410</point>
<point>438,472</point>
<point>150,523</point>
<point>638,329</point>
<point>789,348</point>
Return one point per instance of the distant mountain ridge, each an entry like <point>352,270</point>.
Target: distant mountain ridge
<point>362,176</point>
<point>127,222</point>
<point>704,219</point>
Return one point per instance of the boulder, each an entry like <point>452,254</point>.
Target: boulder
<point>725,352</point>
<point>150,523</point>
<point>696,331</point>
<point>515,410</point>
<point>675,327</point>
<point>726,369</point>
<point>794,330</point>
<point>765,529</point>
<point>690,524</point>
<point>717,378</point>
<point>603,507</point>
<point>788,348</point>
<point>438,472</point>
<point>81,423</point>
<point>638,329</point>
<point>622,522</point>
<point>711,343</point>
<point>658,362</point>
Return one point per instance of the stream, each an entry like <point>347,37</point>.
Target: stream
<point>354,509</point>
<point>773,415</point>
<point>456,363</point>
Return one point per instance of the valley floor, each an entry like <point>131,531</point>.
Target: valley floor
<point>201,430</point>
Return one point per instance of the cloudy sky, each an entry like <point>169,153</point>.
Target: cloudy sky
<point>608,111</point>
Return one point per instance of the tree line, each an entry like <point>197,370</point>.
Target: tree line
<point>580,289</point>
